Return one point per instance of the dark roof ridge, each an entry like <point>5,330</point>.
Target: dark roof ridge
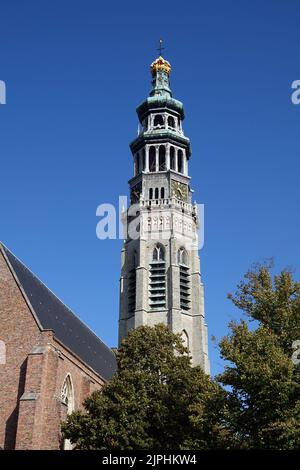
<point>53,295</point>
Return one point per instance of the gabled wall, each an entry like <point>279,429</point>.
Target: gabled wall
<point>33,374</point>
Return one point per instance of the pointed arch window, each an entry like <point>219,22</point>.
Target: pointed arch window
<point>184,279</point>
<point>162,193</point>
<point>67,394</point>
<point>67,397</point>
<point>152,159</point>
<point>182,257</point>
<point>151,193</point>
<point>143,160</point>
<point>158,253</point>
<point>156,193</point>
<point>185,338</point>
<point>157,280</point>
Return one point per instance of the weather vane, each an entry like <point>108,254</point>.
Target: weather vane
<point>160,48</point>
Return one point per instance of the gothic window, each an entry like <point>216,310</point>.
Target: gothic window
<point>67,394</point>
<point>180,161</point>
<point>67,397</point>
<point>184,279</point>
<point>182,257</point>
<point>132,285</point>
<point>152,159</point>
<point>162,193</point>
<point>172,158</point>
<point>185,338</point>
<point>156,193</point>
<point>151,193</point>
<point>171,122</point>
<point>162,158</point>
<point>158,253</point>
<point>2,353</point>
<point>157,281</point>
<point>158,121</point>
<point>143,160</point>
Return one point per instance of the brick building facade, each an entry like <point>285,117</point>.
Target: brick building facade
<point>49,360</point>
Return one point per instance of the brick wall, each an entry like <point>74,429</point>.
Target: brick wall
<point>19,332</point>
<point>31,380</point>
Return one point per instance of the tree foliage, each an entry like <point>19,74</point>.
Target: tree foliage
<point>263,381</point>
<point>156,400</point>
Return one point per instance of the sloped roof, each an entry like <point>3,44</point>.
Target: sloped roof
<point>53,314</point>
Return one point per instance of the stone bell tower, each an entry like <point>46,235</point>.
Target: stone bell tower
<point>160,275</point>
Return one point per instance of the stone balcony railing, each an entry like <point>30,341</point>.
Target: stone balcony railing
<point>171,203</point>
<point>162,129</point>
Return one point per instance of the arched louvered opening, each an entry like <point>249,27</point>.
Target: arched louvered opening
<point>156,193</point>
<point>132,285</point>
<point>184,279</point>
<point>151,193</point>
<point>172,158</point>
<point>162,193</point>
<point>143,160</point>
<point>158,121</point>
<point>162,158</point>
<point>180,161</point>
<point>152,159</point>
<point>157,280</point>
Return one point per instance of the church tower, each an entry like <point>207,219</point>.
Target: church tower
<point>160,274</point>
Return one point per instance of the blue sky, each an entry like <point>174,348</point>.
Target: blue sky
<point>75,72</point>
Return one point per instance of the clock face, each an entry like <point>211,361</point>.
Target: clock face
<point>178,193</point>
<point>179,190</point>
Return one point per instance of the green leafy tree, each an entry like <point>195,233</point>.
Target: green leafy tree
<point>263,382</point>
<point>156,400</point>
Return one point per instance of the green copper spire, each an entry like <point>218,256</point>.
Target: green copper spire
<point>160,70</point>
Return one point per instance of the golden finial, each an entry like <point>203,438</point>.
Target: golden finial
<point>160,63</point>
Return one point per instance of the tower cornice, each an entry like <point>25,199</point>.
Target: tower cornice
<point>158,137</point>
<point>163,102</point>
<point>170,174</point>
